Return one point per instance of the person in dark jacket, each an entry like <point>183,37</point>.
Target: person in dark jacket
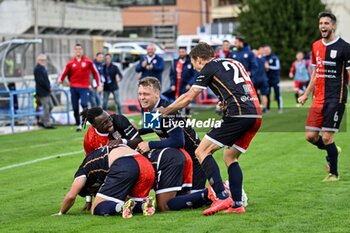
<point>273,76</point>
<point>112,77</point>
<point>43,90</point>
<point>243,53</point>
<point>151,65</point>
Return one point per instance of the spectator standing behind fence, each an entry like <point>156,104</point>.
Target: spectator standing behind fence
<point>151,64</point>
<point>95,97</point>
<point>112,76</point>
<point>300,72</point>
<point>43,91</point>
<point>78,69</point>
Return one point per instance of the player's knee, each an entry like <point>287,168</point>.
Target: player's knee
<point>327,138</point>
<point>311,137</point>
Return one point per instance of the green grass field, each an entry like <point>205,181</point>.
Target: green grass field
<point>282,177</point>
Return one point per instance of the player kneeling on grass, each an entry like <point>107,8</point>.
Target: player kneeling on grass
<point>123,174</point>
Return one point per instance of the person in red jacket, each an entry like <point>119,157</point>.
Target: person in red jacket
<point>78,70</point>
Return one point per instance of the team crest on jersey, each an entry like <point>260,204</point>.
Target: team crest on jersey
<point>189,66</point>
<point>245,55</point>
<point>83,64</point>
<point>74,65</point>
<point>154,61</point>
<point>333,53</point>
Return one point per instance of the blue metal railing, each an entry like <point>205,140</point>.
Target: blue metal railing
<point>29,110</point>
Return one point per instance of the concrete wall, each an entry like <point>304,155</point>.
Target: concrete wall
<point>188,15</point>
<point>17,16</point>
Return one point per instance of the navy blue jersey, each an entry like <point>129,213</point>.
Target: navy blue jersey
<point>94,167</point>
<point>232,85</point>
<point>122,125</point>
<point>191,138</point>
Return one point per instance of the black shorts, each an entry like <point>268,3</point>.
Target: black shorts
<point>169,164</point>
<point>122,177</point>
<point>325,117</point>
<point>235,132</point>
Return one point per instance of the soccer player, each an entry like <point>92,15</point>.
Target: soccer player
<point>242,118</point>
<point>122,172</point>
<point>331,62</point>
<point>171,175</point>
<point>300,72</point>
<point>171,136</point>
<point>108,130</point>
<point>78,69</point>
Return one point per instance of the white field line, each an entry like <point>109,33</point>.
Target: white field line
<point>38,145</point>
<point>52,157</point>
<point>41,159</point>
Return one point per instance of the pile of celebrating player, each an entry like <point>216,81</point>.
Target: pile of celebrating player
<point>121,167</point>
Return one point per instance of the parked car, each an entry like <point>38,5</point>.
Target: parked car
<point>140,47</point>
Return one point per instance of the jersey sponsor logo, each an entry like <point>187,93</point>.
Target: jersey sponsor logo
<point>333,54</point>
<point>248,98</point>
<point>152,120</point>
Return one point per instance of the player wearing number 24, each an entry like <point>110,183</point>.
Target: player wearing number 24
<point>241,120</point>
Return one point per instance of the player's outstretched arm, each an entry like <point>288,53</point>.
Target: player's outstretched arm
<point>302,99</point>
<point>182,101</point>
<point>69,199</point>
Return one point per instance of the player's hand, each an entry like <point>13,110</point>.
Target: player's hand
<point>302,99</point>
<point>220,104</point>
<point>59,82</point>
<point>143,147</point>
<point>114,143</point>
<point>99,89</point>
<point>57,214</point>
<point>86,207</point>
<point>161,110</point>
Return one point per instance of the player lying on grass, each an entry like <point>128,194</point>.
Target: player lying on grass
<point>123,173</point>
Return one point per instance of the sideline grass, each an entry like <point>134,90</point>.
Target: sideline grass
<point>282,177</point>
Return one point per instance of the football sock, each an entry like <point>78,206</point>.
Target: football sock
<point>107,208</point>
<point>332,158</point>
<point>320,144</point>
<point>193,200</point>
<point>296,97</point>
<point>212,172</point>
<point>235,176</point>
